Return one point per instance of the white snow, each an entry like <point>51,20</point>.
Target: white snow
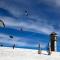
<point>7,53</point>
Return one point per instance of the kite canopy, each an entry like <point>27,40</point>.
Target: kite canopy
<point>2,23</point>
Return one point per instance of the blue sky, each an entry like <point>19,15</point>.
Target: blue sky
<point>42,19</point>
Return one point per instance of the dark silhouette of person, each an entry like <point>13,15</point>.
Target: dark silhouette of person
<point>26,13</point>
<point>13,46</point>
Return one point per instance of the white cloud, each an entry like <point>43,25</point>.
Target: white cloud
<point>25,44</point>
<point>19,41</point>
<point>3,36</point>
<point>33,26</point>
<point>37,28</point>
<point>12,7</point>
<point>43,45</point>
<point>40,26</point>
<point>52,3</point>
<point>17,10</point>
<point>58,3</point>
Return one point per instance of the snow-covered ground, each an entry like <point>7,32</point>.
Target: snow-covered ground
<point>7,53</point>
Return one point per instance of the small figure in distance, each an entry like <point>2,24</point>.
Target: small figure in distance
<point>26,13</point>
<point>13,46</point>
